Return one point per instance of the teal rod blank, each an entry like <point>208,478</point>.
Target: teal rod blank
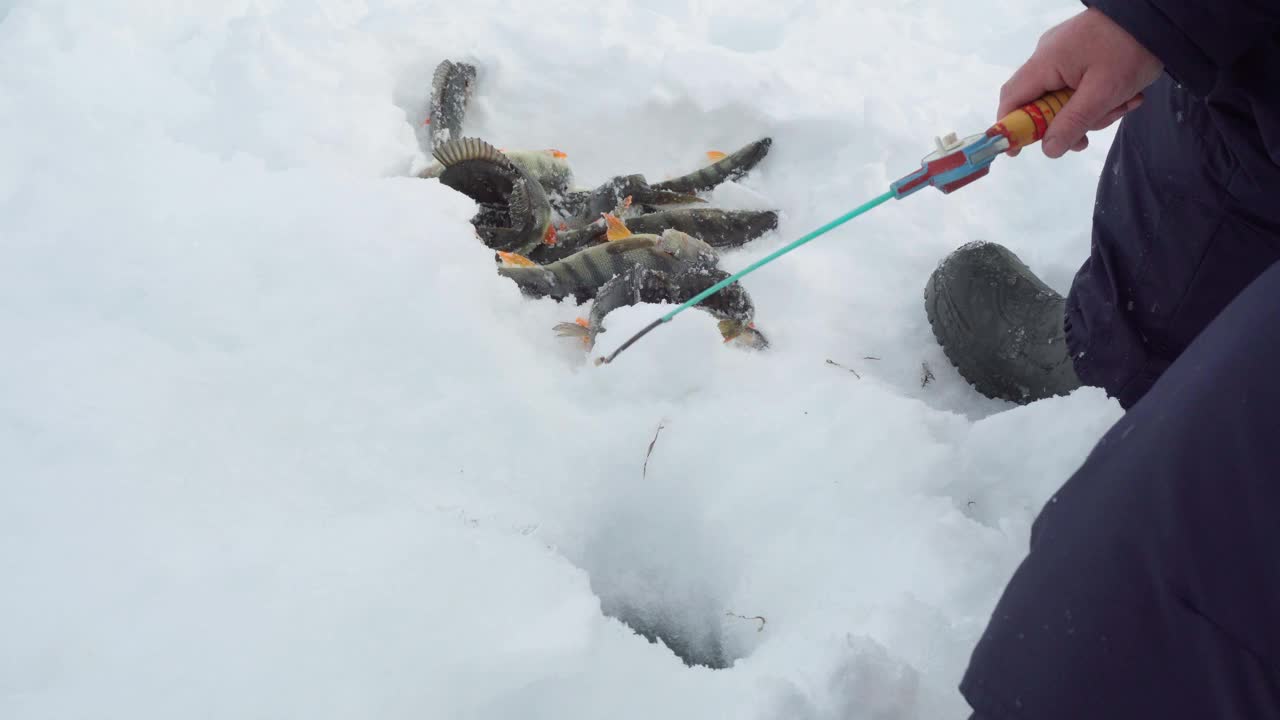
<point>865,208</point>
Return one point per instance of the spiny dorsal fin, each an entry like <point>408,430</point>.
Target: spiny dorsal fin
<point>510,259</point>
<point>464,149</point>
<point>441,73</point>
<point>617,229</point>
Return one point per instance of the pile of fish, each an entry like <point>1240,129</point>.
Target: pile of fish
<point>622,243</point>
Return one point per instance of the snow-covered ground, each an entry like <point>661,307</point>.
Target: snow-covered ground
<point>276,441</point>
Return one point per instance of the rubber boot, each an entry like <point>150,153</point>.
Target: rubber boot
<point>1000,325</point>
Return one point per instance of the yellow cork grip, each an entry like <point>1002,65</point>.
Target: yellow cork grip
<point>1028,124</point>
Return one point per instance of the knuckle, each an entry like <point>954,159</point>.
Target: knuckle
<point>1073,121</point>
<point>1112,87</point>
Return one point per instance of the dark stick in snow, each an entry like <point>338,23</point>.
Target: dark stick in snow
<point>926,375</point>
<point>763,622</point>
<point>842,367</point>
<point>654,441</point>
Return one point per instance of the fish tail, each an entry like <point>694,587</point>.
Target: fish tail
<point>579,329</point>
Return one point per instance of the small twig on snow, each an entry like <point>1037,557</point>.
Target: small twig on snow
<point>926,375</point>
<point>763,622</point>
<point>842,367</point>
<point>654,441</point>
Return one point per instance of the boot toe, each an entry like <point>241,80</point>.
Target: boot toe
<point>999,324</point>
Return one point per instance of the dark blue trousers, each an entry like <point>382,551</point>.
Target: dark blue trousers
<point>1152,588</point>
<point>1183,223</point>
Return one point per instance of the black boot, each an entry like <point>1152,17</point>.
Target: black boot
<point>1000,325</point>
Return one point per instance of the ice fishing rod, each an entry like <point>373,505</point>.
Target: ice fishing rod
<point>954,164</point>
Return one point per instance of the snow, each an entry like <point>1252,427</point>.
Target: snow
<point>276,441</point>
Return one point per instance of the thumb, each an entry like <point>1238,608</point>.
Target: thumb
<point>1084,110</point>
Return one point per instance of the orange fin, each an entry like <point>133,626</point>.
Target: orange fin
<point>515,260</point>
<point>549,237</point>
<point>617,229</point>
<point>716,155</point>
<point>576,329</point>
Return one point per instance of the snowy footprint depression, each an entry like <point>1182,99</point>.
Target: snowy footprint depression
<point>276,440</point>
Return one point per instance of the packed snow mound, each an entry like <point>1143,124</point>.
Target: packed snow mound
<point>276,440</point>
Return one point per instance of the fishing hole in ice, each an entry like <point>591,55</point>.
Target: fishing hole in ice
<point>661,570</point>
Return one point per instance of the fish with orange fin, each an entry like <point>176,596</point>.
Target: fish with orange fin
<point>731,306</point>
<point>549,166</point>
<point>722,169</point>
<point>718,228</point>
<point>721,229</point>
<point>582,207</point>
<point>582,274</point>
<point>514,214</point>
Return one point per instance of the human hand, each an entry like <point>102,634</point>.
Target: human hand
<point>1106,67</point>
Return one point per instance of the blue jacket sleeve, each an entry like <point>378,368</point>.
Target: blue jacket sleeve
<point>1196,39</point>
